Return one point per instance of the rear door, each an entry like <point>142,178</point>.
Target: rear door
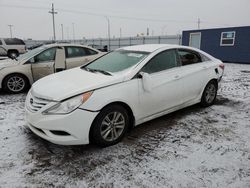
<point>166,87</point>
<point>77,56</point>
<point>43,63</point>
<point>193,73</point>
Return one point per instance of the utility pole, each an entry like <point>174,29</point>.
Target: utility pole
<point>53,18</point>
<point>10,26</point>
<point>147,31</point>
<point>120,32</point>
<point>108,32</point>
<point>73,29</point>
<point>199,23</point>
<point>62,31</point>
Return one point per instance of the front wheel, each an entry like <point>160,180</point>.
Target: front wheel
<point>110,126</point>
<point>15,83</point>
<point>13,54</point>
<point>209,94</point>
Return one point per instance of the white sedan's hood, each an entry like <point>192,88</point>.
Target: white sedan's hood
<point>8,63</point>
<point>72,82</point>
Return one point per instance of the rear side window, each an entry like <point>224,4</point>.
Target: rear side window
<point>188,57</point>
<point>162,61</point>
<point>90,52</point>
<point>13,41</point>
<point>72,51</point>
<point>1,42</point>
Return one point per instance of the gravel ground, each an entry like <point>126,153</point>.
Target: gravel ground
<point>193,147</point>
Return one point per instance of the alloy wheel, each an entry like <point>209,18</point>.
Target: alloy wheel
<point>16,83</point>
<point>210,93</point>
<point>112,126</point>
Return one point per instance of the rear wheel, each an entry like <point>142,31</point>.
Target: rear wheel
<point>209,94</point>
<point>15,83</point>
<point>110,126</point>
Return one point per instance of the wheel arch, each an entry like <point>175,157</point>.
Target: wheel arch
<point>126,107</point>
<point>14,73</point>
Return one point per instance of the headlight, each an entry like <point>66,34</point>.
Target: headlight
<point>69,105</point>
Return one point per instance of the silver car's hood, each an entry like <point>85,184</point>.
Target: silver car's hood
<point>72,82</point>
<point>8,63</point>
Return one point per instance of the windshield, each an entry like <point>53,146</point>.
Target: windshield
<point>117,61</point>
<point>31,53</point>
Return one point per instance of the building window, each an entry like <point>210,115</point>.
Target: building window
<point>227,38</point>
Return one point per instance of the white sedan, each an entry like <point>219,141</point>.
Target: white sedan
<point>100,101</point>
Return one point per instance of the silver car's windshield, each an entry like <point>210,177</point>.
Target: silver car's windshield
<point>31,53</point>
<point>117,61</point>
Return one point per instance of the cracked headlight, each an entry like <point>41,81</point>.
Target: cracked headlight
<point>68,105</point>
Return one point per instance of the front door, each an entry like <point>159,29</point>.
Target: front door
<point>43,63</point>
<point>166,86</point>
<point>195,40</point>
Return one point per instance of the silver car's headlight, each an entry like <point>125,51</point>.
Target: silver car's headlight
<point>69,105</point>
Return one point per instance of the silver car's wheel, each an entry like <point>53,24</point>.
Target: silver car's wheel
<point>15,83</point>
<point>209,94</point>
<point>110,126</point>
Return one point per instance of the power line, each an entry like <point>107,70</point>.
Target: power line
<point>114,16</point>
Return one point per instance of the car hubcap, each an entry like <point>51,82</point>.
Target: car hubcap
<point>112,126</point>
<point>16,83</point>
<point>210,93</point>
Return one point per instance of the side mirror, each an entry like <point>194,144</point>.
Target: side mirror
<point>146,81</point>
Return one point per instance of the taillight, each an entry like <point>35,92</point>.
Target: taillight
<point>222,66</point>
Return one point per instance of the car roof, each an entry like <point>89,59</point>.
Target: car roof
<point>67,44</point>
<point>150,47</point>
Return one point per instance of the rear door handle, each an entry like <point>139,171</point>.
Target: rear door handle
<point>204,67</point>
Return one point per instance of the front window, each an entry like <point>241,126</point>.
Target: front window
<point>162,61</point>
<point>46,56</point>
<point>30,53</point>
<point>117,61</point>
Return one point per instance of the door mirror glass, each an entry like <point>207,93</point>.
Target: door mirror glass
<point>146,81</point>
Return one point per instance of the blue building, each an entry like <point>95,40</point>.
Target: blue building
<point>230,44</point>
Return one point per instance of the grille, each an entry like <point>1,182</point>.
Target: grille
<point>35,104</point>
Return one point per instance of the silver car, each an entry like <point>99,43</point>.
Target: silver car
<point>16,75</point>
<point>12,47</point>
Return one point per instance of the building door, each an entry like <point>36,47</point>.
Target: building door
<point>195,40</point>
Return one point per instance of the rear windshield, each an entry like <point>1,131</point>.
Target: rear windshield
<point>117,61</point>
<point>14,41</point>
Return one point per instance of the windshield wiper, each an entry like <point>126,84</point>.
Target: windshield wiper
<point>97,70</point>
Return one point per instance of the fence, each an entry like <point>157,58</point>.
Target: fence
<point>115,43</point>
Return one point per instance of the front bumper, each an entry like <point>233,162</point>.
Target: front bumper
<point>68,129</point>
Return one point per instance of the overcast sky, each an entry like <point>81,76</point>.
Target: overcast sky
<point>30,18</point>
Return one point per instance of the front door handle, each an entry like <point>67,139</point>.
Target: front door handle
<point>177,77</point>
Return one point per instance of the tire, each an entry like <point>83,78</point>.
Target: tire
<point>15,83</point>
<point>209,94</point>
<point>110,126</point>
<point>13,54</point>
